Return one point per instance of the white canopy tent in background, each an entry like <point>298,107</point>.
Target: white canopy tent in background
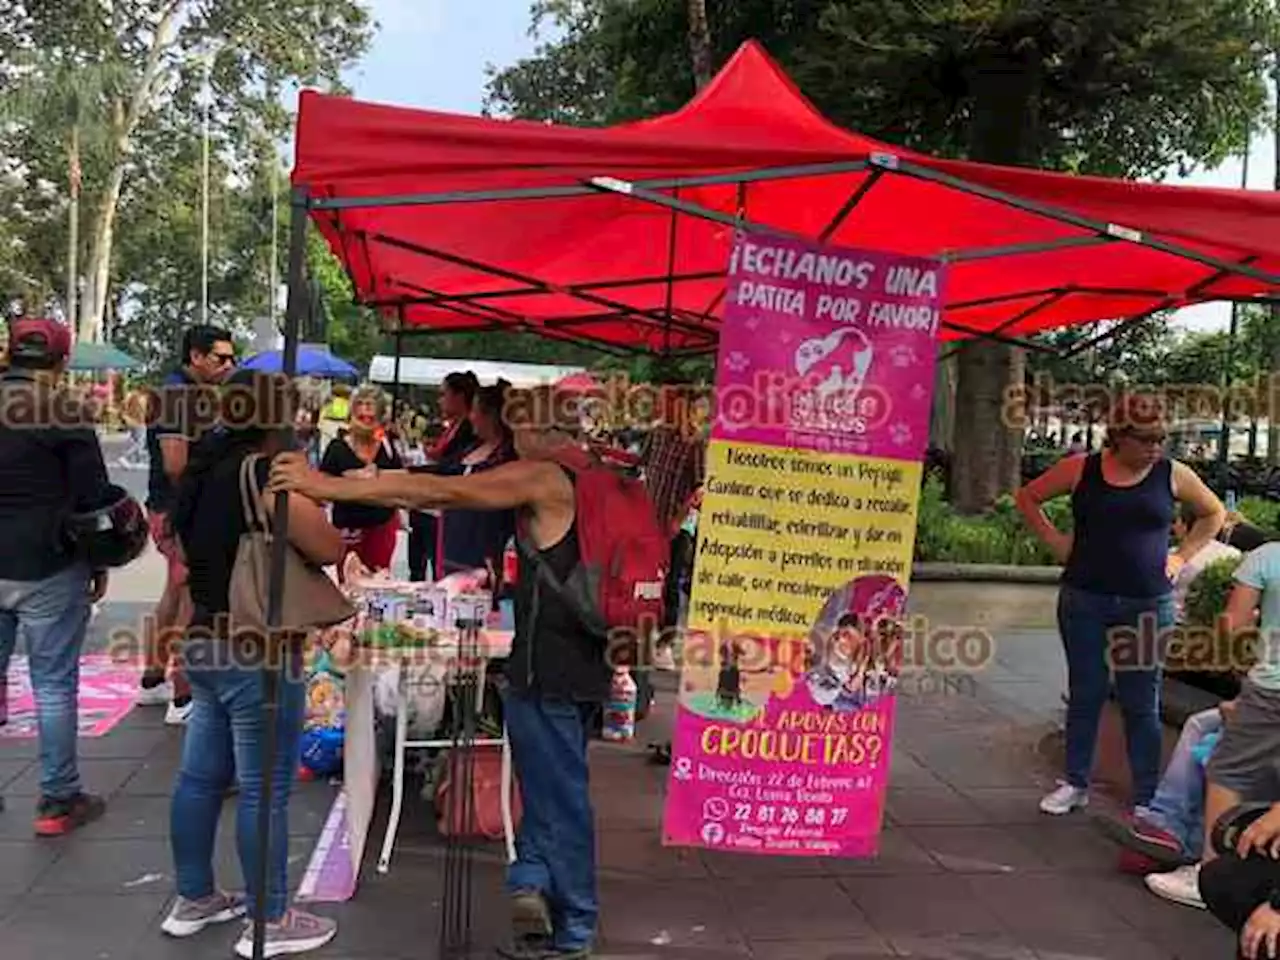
<point>431,371</point>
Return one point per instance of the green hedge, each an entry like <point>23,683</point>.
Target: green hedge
<point>1207,596</point>
<point>1001,536</point>
<point>1263,513</point>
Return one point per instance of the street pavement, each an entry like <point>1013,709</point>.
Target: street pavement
<point>968,867</point>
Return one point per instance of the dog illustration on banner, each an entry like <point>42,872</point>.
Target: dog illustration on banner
<point>834,368</point>
<point>856,645</point>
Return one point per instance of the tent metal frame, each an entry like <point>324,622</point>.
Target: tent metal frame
<point>481,313</point>
<point>472,306</point>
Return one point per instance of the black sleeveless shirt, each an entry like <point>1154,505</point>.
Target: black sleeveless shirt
<point>552,654</point>
<point>1121,540</point>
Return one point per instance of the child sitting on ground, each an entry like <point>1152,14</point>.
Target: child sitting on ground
<point>1243,766</point>
<point>1169,831</point>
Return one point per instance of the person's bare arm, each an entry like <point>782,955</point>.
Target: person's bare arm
<point>1210,513</point>
<point>1241,607</point>
<point>521,483</point>
<point>310,531</point>
<point>173,455</point>
<point>1059,480</point>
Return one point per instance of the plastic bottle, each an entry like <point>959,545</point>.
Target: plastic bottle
<point>620,711</point>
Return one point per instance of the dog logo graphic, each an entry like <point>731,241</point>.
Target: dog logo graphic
<point>837,366</point>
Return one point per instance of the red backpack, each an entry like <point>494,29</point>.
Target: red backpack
<point>623,554</point>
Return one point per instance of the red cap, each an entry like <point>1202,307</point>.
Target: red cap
<point>39,339</point>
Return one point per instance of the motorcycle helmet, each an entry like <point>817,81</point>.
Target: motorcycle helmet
<point>113,535</point>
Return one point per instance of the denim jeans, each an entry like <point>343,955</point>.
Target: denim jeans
<point>51,616</point>
<point>1178,805</point>
<point>422,545</point>
<point>556,845</point>
<point>226,734</point>
<point>1099,631</point>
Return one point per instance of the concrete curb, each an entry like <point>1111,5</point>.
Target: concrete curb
<point>984,573</point>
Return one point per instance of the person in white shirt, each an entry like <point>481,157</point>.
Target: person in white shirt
<point>1210,553</point>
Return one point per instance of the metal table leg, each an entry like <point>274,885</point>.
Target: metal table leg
<point>508,827</point>
<point>397,775</point>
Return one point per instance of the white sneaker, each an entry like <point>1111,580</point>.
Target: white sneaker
<point>297,932</point>
<point>177,716</point>
<point>156,696</point>
<point>1064,800</point>
<point>186,918</point>
<point>1178,886</point>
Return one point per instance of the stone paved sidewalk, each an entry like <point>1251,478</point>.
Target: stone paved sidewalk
<point>968,867</point>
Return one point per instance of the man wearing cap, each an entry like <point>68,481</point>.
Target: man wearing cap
<point>50,467</point>
<point>176,419</point>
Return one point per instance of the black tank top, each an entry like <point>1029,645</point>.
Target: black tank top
<point>552,654</point>
<point>1121,541</point>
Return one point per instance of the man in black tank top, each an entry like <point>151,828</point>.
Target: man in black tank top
<point>557,675</point>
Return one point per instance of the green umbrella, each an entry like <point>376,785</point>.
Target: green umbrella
<point>87,357</point>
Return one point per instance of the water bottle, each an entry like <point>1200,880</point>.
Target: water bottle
<point>620,711</point>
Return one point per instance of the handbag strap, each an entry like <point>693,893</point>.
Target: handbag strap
<point>250,502</point>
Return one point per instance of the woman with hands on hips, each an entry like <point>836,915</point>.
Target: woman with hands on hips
<point>1118,576</point>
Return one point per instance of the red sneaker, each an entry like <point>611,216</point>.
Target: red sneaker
<point>1155,842</point>
<point>1136,864</point>
<point>56,818</point>
<point>1146,839</point>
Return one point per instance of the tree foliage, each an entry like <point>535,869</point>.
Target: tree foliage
<point>1189,366</point>
<point>143,113</point>
<point>1132,89</point>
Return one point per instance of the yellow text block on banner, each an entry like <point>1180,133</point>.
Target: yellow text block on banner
<point>781,530</point>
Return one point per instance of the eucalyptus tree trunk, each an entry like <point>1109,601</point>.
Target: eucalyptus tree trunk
<point>700,42</point>
<point>124,123</point>
<point>1004,85</point>
<point>73,222</point>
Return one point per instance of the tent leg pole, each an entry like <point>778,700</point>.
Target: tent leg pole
<point>275,648</point>
<point>395,375</point>
<point>671,293</point>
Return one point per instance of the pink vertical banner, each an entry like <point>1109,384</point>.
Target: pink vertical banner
<point>795,638</point>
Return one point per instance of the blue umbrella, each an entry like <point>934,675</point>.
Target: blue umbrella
<point>314,360</point>
<point>100,356</point>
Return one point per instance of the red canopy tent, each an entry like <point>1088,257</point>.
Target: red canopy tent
<point>620,236</point>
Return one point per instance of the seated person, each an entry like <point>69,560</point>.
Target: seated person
<point>1170,830</point>
<point>1241,534</point>
<point>1210,553</point>
<point>1241,887</point>
<point>1242,768</point>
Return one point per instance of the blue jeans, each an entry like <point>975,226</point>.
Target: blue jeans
<point>1100,631</point>
<point>556,844</point>
<point>1178,805</point>
<point>225,738</point>
<point>51,616</point>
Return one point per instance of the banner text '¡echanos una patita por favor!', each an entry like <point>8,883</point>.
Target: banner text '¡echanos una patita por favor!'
<point>901,281</point>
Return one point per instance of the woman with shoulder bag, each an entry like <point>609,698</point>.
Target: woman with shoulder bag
<point>222,519</point>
